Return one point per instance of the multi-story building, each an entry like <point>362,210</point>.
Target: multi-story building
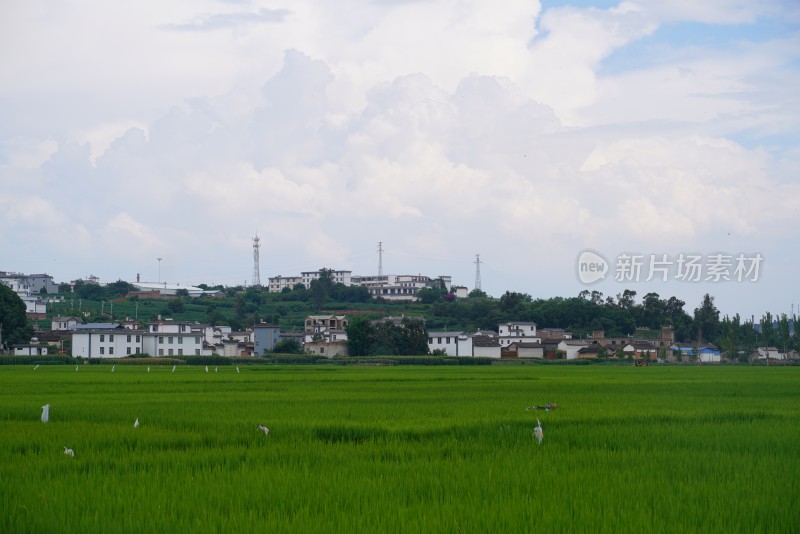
<point>517,332</point>
<point>327,328</point>
<point>278,283</point>
<point>172,339</point>
<point>107,343</point>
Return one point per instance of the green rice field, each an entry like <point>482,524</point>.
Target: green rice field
<point>400,449</point>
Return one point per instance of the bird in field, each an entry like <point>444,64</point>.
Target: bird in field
<point>537,432</point>
<point>148,368</point>
<point>216,369</point>
<point>76,368</point>
<point>37,366</point>
<point>206,368</point>
<point>263,429</point>
<point>68,451</point>
<point>237,369</point>
<point>173,368</point>
<point>45,413</point>
<point>136,423</point>
<point>113,367</point>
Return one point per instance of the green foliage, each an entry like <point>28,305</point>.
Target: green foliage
<point>288,346</point>
<point>15,327</point>
<point>385,338</point>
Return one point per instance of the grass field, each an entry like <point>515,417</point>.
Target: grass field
<point>391,449</point>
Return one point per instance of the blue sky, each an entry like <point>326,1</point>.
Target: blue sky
<point>525,134</point>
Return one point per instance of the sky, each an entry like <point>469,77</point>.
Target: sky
<point>646,132</point>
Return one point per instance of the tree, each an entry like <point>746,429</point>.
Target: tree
<point>288,346</point>
<point>706,319</point>
<point>359,335</point>
<point>13,321</point>
<point>429,295</point>
<point>477,293</point>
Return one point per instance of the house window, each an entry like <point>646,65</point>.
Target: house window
<point>180,340</point>
<point>322,350</point>
<point>128,350</point>
<point>197,340</point>
<point>197,352</point>
<point>111,350</point>
<point>102,350</point>
<point>160,340</point>
<point>180,352</point>
<point>128,338</point>
<point>170,352</point>
<point>137,339</point>
<point>439,340</point>
<point>102,337</point>
<point>447,340</point>
<point>111,337</point>
<point>160,352</point>
<point>169,340</point>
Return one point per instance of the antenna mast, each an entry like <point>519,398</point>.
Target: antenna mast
<point>380,259</point>
<point>256,270</point>
<point>477,271</point>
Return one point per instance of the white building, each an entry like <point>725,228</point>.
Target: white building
<point>571,347</point>
<point>517,332</point>
<point>450,343</point>
<point>278,283</point>
<point>172,339</point>
<point>327,328</point>
<point>105,343</point>
<point>31,349</point>
<point>338,277</point>
<point>64,323</point>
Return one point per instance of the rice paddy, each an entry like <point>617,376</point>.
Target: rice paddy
<point>397,449</point>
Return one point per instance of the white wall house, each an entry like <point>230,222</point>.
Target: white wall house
<point>64,323</point>
<point>107,343</point>
<point>517,332</point>
<point>571,347</point>
<point>338,277</point>
<point>327,328</point>
<point>448,342</point>
<point>31,349</point>
<point>172,344</point>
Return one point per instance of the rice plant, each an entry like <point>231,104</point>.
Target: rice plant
<point>438,449</point>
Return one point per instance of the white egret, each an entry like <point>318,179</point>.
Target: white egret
<point>216,369</point>
<point>263,429</point>
<point>173,368</point>
<point>206,368</point>
<point>45,413</point>
<point>148,368</point>
<point>237,369</point>
<point>136,423</point>
<point>68,451</point>
<point>76,368</point>
<point>113,367</point>
<point>37,366</point>
<point>537,432</point>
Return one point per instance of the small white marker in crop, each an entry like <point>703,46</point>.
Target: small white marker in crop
<point>45,413</point>
<point>68,451</point>
<point>136,423</point>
